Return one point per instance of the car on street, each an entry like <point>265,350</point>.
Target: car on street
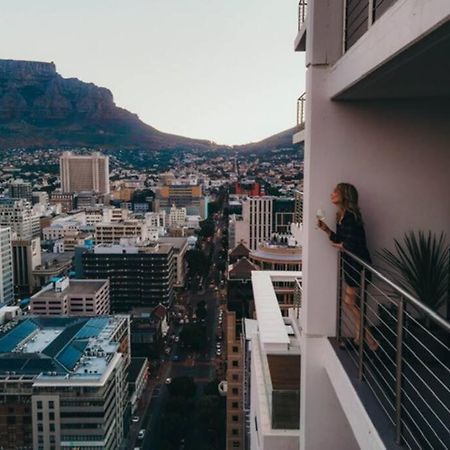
<point>168,380</point>
<point>141,434</point>
<point>177,338</point>
<point>135,419</point>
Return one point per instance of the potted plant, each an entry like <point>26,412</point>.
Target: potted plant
<point>420,265</point>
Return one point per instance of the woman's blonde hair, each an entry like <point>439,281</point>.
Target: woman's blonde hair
<point>349,196</point>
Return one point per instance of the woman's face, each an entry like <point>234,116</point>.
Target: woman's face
<point>336,197</point>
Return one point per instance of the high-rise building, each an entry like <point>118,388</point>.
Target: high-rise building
<point>20,189</point>
<point>140,273</point>
<point>376,116</point>
<point>270,381</point>
<point>69,297</point>
<point>26,257</point>
<point>6,267</point>
<point>257,213</point>
<point>63,382</point>
<point>19,216</point>
<point>84,173</point>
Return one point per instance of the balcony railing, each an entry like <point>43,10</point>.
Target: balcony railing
<point>302,10</point>
<point>360,16</point>
<point>301,103</point>
<point>402,353</point>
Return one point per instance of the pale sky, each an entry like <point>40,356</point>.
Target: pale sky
<point>223,70</point>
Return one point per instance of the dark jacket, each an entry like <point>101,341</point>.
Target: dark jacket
<point>350,232</point>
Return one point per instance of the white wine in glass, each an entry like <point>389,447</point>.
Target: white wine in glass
<point>320,217</point>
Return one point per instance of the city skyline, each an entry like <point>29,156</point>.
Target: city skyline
<point>200,70</point>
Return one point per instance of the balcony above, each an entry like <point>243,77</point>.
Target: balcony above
<point>386,59</point>
<point>300,40</point>
<point>299,136</point>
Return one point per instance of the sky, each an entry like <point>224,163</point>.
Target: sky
<point>223,70</point>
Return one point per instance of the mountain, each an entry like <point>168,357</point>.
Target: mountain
<point>279,140</point>
<point>38,107</point>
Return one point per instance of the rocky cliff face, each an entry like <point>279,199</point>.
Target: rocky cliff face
<point>38,107</point>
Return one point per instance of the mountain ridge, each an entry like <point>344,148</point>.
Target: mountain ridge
<point>38,107</point>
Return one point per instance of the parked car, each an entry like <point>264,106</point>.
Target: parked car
<point>168,380</point>
<point>141,434</point>
<point>135,419</point>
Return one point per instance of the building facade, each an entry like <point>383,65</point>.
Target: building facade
<point>84,173</point>
<point>77,395</point>
<point>140,274</point>
<point>69,297</point>
<point>6,267</point>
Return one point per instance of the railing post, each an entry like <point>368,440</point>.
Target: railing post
<point>362,324</point>
<point>338,298</point>
<point>371,14</point>
<point>399,370</point>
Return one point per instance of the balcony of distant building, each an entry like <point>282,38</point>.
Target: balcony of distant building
<point>299,136</point>
<point>300,40</point>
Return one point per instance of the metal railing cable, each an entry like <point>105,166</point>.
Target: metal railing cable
<point>401,349</point>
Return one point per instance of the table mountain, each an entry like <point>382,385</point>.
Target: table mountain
<point>38,107</point>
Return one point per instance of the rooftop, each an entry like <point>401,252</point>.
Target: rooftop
<point>83,287</point>
<point>76,348</point>
<point>272,328</point>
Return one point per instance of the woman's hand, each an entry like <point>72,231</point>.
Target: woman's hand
<point>323,226</point>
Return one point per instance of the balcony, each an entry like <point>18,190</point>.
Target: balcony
<point>300,40</point>
<point>360,15</point>
<point>299,136</point>
<point>404,382</point>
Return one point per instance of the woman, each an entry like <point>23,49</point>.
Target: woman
<point>350,235</point>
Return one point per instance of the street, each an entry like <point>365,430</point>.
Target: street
<point>201,366</point>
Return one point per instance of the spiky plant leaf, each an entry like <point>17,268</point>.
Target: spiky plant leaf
<point>420,264</point>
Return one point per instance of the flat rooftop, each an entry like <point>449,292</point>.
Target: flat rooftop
<point>82,287</point>
<point>271,325</point>
<point>75,348</point>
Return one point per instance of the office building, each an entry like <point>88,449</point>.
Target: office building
<point>113,232</point>
<point>6,267</point>
<point>63,382</point>
<point>26,257</point>
<point>235,431</point>
<point>84,173</point>
<point>177,216</point>
<point>180,247</point>
<point>376,116</point>
<point>257,214</point>
<point>69,297</point>
<point>140,273</point>
<point>182,195</point>
<point>20,189</point>
<point>65,199</point>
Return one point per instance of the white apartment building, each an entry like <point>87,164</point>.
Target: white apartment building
<point>376,116</point>
<point>19,216</point>
<point>177,216</point>
<point>6,267</point>
<point>84,173</point>
<point>111,214</point>
<point>271,384</point>
<point>69,297</point>
<point>64,226</point>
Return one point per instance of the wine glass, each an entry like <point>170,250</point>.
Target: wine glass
<point>320,217</point>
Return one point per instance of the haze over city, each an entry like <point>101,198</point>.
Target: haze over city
<point>195,68</point>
